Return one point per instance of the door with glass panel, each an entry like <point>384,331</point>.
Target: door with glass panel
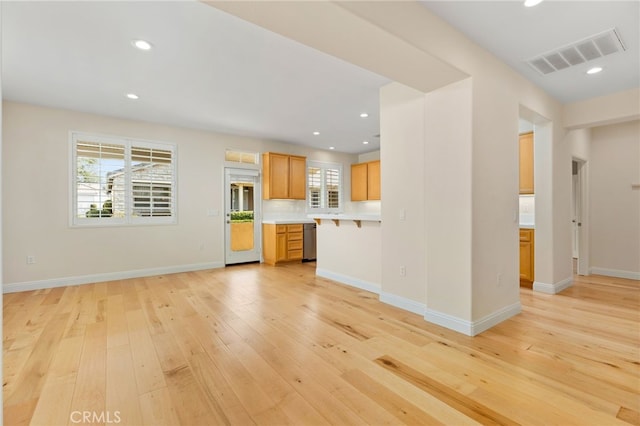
<point>242,216</point>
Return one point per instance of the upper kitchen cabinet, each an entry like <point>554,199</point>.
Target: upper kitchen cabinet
<point>365,181</point>
<point>526,163</point>
<point>284,176</point>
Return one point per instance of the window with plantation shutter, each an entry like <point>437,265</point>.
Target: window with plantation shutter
<point>118,181</point>
<point>152,181</point>
<point>314,186</point>
<point>324,187</point>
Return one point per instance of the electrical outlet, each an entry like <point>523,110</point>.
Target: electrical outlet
<point>403,271</point>
<point>499,280</point>
<point>31,260</point>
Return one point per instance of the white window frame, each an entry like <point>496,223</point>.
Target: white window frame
<point>323,166</point>
<point>129,219</point>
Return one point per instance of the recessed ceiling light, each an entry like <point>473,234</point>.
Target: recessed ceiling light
<point>316,133</point>
<point>132,96</point>
<point>365,142</point>
<point>142,44</point>
<point>531,3</point>
<point>594,70</point>
<point>332,147</point>
<point>364,115</point>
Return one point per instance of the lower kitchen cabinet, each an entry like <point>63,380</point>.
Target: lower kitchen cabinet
<point>527,237</point>
<point>282,243</point>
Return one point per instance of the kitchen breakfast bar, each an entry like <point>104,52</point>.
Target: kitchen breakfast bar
<point>349,249</point>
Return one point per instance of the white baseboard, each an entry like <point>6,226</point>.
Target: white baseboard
<point>109,276</point>
<point>472,328</point>
<point>345,279</point>
<point>495,318</point>
<point>449,321</point>
<point>403,303</point>
<point>552,288</point>
<point>388,298</point>
<point>616,273</point>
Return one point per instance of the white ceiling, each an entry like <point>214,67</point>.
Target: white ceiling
<point>210,70</point>
<point>515,33</point>
<point>207,70</point>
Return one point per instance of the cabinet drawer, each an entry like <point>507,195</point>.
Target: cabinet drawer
<point>293,236</point>
<point>295,254</point>
<point>281,229</point>
<point>525,235</point>
<point>294,228</point>
<point>294,245</point>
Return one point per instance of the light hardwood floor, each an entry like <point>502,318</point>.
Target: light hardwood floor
<point>255,344</point>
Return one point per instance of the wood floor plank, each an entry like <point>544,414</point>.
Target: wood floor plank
<point>190,402</point>
<point>157,408</point>
<point>54,404</point>
<point>254,344</point>
<point>30,380</point>
<point>122,395</point>
<point>148,372</point>
<point>460,402</point>
<point>90,390</point>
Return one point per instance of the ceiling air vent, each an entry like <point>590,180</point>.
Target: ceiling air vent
<point>594,47</point>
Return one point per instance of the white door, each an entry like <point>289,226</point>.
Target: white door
<point>242,216</point>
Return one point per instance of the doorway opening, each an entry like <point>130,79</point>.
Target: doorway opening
<point>578,217</point>
<point>242,216</point>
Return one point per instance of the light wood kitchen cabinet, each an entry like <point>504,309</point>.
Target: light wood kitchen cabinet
<point>526,163</point>
<point>282,243</point>
<point>527,237</point>
<point>365,181</point>
<point>284,176</point>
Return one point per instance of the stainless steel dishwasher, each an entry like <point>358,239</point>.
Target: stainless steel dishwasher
<point>309,238</point>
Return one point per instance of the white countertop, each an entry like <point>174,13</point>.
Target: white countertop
<point>287,221</point>
<point>348,216</point>
<point>527,226</point>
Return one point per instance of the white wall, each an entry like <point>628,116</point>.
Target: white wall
<point>448,201</point>
<point>603,110</point>
<point>369,156</point>
<point>614,206</point>
<point>36,190</point>
<point>350,254</point>
<point>579,143</point>
<point>402,135</point>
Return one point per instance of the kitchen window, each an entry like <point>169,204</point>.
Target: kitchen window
<point>324,187</point>
<point>120,181</point>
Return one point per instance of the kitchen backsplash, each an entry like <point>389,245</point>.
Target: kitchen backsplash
<point>283,209</point>
<point>527,209</point>
<point>291,209</point>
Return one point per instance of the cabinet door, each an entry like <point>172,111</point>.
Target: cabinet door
<point>525,261</point>
<point>281,247</point>
<point>297,177</point>
<point>359,182</point>
<point>373,180</point>
<point>276,176</point>
<point>269,243</point>
<point>526,163</point>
